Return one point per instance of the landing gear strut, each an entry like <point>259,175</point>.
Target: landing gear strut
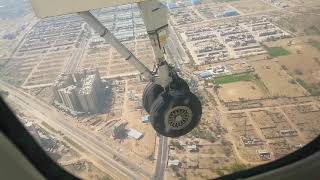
<point>173,109</point>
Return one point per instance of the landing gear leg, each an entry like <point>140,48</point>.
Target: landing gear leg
<point>173,109</point>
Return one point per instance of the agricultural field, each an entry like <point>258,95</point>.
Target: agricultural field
<point>233,78</point>
<point>276,80</point>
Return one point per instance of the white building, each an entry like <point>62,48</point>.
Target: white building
<point>174,162</point>
<point>135,134</point>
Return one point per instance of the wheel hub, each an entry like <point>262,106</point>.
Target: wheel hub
<point>178,117</point>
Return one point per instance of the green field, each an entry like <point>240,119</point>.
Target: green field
<point>234,78</point>
<point>277,51</point>
<point>316,45</point>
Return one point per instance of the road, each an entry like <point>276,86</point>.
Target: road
<point>161,158</point>
<point>92,144</point>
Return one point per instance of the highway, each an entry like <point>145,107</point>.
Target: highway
<point>161,158</point>
<point>92,144</point>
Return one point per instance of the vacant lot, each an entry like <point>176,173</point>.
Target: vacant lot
<point>250,6</point>
<point>239,125</point>
<point>133,114</point>
<point>302,23</point>
<point>306,119</point>
<point>277,81</point>
<point>277,51</point>
<point>303,64</point>
<point>245,90</point>
<point>111,64</point>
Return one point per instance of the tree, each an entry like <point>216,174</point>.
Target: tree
<point>120,132</point>
<point>151,157</point>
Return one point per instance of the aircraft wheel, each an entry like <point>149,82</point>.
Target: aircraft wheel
<point>150,94</point>
<point>179,84</point>
<point>175,113</point>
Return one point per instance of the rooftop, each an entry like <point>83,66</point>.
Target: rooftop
<point>135,134</point>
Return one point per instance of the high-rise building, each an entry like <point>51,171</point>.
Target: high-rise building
<point>79,92</point>
<point>62,81</point>
<point>69,97</point>
<point>89,93</point>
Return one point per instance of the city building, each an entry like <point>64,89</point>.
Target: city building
<point>264,155</point>
<point>135,134</point>
<point>230,12</point>
<point>192,148</point>
<point>79,92</point>
<point>172,163</point>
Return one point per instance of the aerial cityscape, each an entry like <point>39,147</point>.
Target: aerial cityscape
<point>255,66</point>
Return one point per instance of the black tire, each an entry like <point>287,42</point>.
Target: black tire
<point>179,84</point>
<point>168,106</point>
<point>150,94</point>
